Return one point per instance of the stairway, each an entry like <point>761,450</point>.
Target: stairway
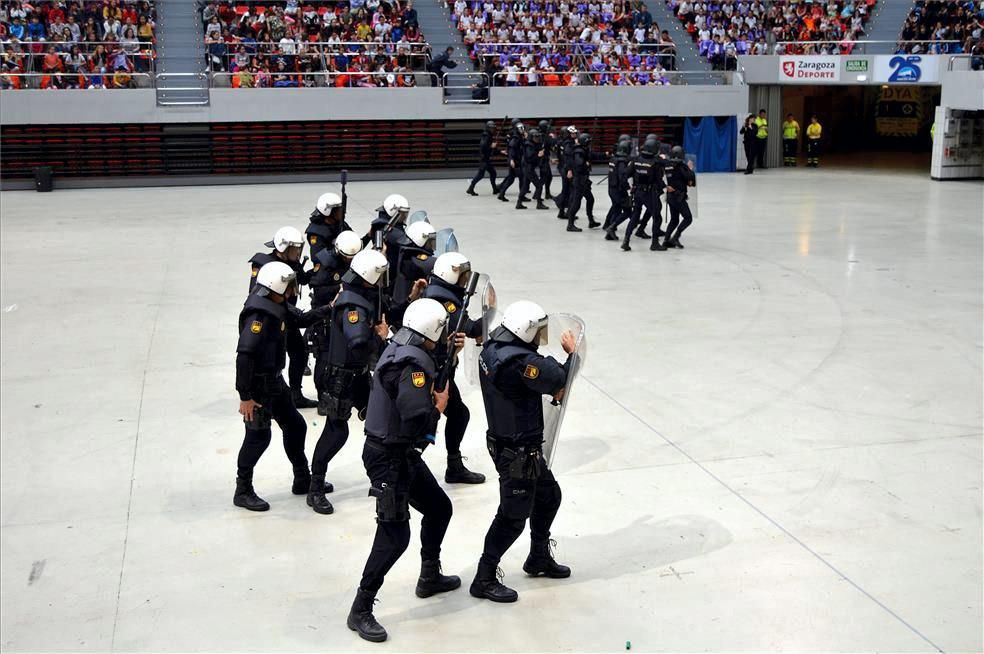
<point>885,24</point>
<point>688,58</point>
<point>434,18</point>
<point>181,76</point>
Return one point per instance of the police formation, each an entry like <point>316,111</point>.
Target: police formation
<point>388,320</point>
<point>636,183</point>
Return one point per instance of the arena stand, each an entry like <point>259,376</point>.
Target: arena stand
<point>289,44</point>
<point>959,25</point>
<point>81,44</point>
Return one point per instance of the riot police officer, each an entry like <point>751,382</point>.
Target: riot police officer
<point>286,246</point>
<point>647,177</point>
<point>619,171</point>
<point>486,148</point>
<point>533,154</point>
<point>514,377</point>
<point>679,176</point>
<point>447,285</point>
<point>549,148</point>
<point>565,163</point>
<point>404,409</point>
<point>263,395</point>
<point>357,333</point>
<point>327,221</point>
<point>515,154</point>
<point>415,262</point>
<point>653,209</point>
<point>581,184</point>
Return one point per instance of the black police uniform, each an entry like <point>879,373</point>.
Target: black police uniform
<point>296,343</point>
<point>325,281</point>
<point>619,169</point>
<point>456,414</point>
<point>352,344</point>
<point>412,264</point>
<point>647,176</point>
<point>531,173</point>
<point>485,165</point>
<point>321,233</point>
<point>546,172</point>
<point>565,161</point>
<point>401,421</point>
<point>261,354</point>
<point>514,377</point>
<point>515,154</point>
<point>581,187</point>
<point>678,177</point>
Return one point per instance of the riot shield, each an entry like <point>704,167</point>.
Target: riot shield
<point>691,160</point>
<point>418,216</point>
<point>482,308</point>
<point>445,241</point>
<point>553,411</point>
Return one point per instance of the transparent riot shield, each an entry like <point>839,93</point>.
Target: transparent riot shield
<point>445,241</point>
<point>553,410</point>
<point>691,160</point>
<point>418,216</point>
<point>482,308</point>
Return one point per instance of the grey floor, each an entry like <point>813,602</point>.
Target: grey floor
<point>776,444</point>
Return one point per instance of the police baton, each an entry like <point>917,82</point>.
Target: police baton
<point>444,375</point>
<point>344,179</point>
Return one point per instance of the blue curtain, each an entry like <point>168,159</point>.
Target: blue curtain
<point>714,141</point>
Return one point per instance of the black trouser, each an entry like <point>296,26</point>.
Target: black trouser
<point>813,151</point>
<point>511,176</point>
<point>457,416</point>
<point>789,152</point>
<point>678,207</point>
<point>484,167</point>
<point>276,404</point>
<point>297,351</point>
<point>527,489</point>
<point>320,342</point>
<point>645,197</point>
<point>565,190</point>
<point>546,176</point>
<point>621,205</point>
<point>580,190</point>
<point>760,146</point>
<point>400,479</point>
<point>749,157</point>
<point>336,431</point>
<point>531,176</point>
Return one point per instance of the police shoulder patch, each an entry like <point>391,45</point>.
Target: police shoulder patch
<point>451,307</point>
<point>353,316</point>
<point>317,267</point>
<point>256,327</point>
<point>256,271</point>
<point>417,378</point>
<point>312,239</point>
<point>423,257</point>
<point>531,372</point>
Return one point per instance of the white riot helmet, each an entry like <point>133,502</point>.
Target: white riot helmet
<point>422,234</point>
<point>287,237</point>
<point>426,317</point>
<point>453,268</point>
<point>369,265</point>
<point>348,244</point>
<point>328,202</point>
<point>394,204</point>
<point>276,276</point>
<point>527,321</point>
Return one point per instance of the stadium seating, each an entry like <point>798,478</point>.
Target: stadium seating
<point>76,44</point>
<point>955,25</point>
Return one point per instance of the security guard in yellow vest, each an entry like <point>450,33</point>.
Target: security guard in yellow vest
<point>813,132</point>
<point>761,138</point>
<point>790,139</point>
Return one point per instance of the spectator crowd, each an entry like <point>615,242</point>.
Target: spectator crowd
<point>75,43</point>
<point>956,25</point>
<point>362,43</point>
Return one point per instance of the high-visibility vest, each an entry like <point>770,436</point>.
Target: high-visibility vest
<point>790,129</point>
<point>813,131</point>
<point>763,127</point>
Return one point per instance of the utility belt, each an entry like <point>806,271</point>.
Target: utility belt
<point>516,459</point>
<point>336,398</point>
<point>392,492</point>
<point>263,387</point>
<point>265,384</point>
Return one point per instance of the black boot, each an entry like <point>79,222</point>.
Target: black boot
<point>502,198</point>
<point>541,562</point>
<point>246,498</point>
<point>625,242</point>
<point>541,205</point>
<point>361,619</point>
<point>675,243</point>
<point>471,191</point>
<point>571,227</point>
<point>457,473</point>
<point>300,401</point>
<point>656,245</point>
<point>431,581</point>
<point>520,205</point>
<point>302,482</point>
<point>641,233</point>
<point>486,585</point>
<point>592,223</point>
<point>316,496</point>
<point>560,215</point>
<point>523,198</point>
<point>610,234</point>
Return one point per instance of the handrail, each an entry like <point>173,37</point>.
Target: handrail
<point>423,45</point>
<point>571,44</point>
<point>450,98</point>
<point>856,46</point>
<point>968,56</point>
<point>43,42</point>
<point>107,79</point>
<point>669,75</point>
<point>327,75</point>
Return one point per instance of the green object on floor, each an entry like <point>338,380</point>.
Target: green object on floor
<point>628,644</point>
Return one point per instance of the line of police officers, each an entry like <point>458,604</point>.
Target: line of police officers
<point>387,322</point>
<point>635,183</point>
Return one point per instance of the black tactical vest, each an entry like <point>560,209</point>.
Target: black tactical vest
<point>410,267</point>
<point>383,419</point>
<point>267,320</point>
<point>451,297</point>
<point>327,279</point>
<point>339,353</point>
<point>513,411</point>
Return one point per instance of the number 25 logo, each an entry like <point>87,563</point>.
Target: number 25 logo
<point>905,69</point>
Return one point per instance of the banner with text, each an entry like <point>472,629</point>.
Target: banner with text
<point>907,69</point>
<point>814,69</point>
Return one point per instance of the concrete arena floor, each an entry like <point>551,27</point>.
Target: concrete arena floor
<point>776,444</point>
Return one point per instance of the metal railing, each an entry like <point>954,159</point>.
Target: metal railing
<point>615,77</point>
<point>29,55</point>
<point>467,92</point>
<point>665,51</point>
<point>971,60</point>
<point>418,57</point>
<point>852,47</point>
<point>323,79</point>
<point>179,92</point>
<point>67,81</point>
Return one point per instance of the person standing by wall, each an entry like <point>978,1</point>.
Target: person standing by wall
<point>762,138</point>
<point>813,133</point>
<point>790,139</point>
<point>749,141</point>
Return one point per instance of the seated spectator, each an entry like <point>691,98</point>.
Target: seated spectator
<point>938,27</point>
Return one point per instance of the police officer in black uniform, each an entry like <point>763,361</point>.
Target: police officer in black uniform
<point>581,184</point>
<point>357,333</point>
<point>514,152</point>
<point>533,154</point>
<point>565,162</point>
<point>486,148</point>
<point>327,221</point>
<point>404,409</point>
<point>263,394</point>
<point>549,149</point>
<point>514,377</point>
<point>647,176</point>
<point>286,246</point>
<point>447,285</point>
<point>619,171</point>
<point>654,209</point>
<point>415,262</point>
<point>679,175</point>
